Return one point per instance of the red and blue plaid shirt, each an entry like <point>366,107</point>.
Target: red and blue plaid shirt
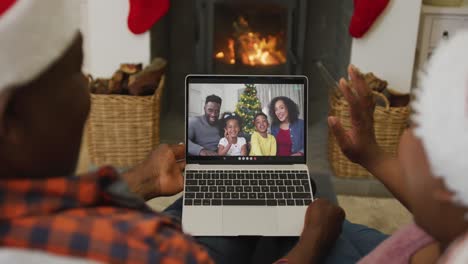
<point>88,217</point>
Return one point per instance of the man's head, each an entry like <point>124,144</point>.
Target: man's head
<point>44,108</point>
<point>212,108</point>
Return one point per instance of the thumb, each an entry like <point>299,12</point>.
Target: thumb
<point>178,150</point>
<point>338,131</point>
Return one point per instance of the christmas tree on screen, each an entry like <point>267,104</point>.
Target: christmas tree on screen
<point>247,107</point>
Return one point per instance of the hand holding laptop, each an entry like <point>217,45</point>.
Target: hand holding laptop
<point>322,226</point>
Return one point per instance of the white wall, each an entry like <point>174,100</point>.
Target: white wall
<point>107,39</point>
<point>231,95</point>
<point>388,49</point>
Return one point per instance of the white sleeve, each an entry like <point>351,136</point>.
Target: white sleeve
<point>223,142</point>
<point>242,141</point>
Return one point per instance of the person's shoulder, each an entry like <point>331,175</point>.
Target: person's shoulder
<point>274,128</point>
<point>242,140</point>
<point>195,119</point>
<point>271,137</point>
<point>299,122</point>
<point>255,135</point>
<point>223,141</point>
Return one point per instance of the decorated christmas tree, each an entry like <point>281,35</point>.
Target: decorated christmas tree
<point>247,107</point>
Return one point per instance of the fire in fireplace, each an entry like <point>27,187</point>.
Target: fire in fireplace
<point>250,36</point>
<point>251,47</point>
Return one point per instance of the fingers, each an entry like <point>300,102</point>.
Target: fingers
<point>339,132</point>
<point>182,165</point>
<point>359,83</point>
<point>350,96</point>
<point>178,150</point>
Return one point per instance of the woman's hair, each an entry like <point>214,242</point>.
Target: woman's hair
<point>293,110</point>
<point>225,117</point>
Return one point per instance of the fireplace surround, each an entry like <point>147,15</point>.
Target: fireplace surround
<point>250,36</point>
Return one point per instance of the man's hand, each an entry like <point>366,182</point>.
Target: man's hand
<point>359,143</point>
<point>322,226</point>
<point>160,174</point>
<point>205,152</point>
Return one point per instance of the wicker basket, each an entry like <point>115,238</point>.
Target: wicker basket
<point>389,124</point>
<point>123,129</point>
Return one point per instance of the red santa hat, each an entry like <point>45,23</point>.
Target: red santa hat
<point>441,114</point>
<point>34,34</point>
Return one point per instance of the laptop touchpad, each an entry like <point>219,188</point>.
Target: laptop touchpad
<point>242,220</point>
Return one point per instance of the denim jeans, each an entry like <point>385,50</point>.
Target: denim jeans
<point>355,242</point>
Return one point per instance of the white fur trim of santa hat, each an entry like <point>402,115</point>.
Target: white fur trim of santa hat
<point>34,34</point>
<point>441,114</point>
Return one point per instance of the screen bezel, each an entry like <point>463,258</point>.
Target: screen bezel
<point>244,79</point>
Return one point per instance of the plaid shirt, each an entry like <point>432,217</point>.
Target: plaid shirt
<point>88,217</point>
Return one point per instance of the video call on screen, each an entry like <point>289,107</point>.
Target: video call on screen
<point>247,121</point>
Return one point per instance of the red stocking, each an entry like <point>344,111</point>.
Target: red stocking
<point>144,13</point>
<point>365,13</point>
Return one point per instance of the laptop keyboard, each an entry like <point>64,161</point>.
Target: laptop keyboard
<point>247,187</point>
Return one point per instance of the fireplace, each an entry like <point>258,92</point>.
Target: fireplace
<point>192,34</point>
<point>250,37</point>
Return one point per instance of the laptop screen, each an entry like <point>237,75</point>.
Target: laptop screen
<point>246,119</point>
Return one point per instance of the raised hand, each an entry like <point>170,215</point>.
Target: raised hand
<point>359,143</point>
<point>229,138</point>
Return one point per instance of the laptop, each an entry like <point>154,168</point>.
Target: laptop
<point>245,192</point>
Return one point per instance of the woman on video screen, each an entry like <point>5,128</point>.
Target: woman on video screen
<point>286,126</point>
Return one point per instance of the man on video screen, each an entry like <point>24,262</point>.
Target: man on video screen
<point>203,131</point>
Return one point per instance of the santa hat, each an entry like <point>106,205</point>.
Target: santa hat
<point>441,114</point>
<point>34,34</point>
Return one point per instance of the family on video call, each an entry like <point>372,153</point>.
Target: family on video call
<point>280,133</point>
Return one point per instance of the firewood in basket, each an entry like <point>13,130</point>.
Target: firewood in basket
<point>131,68</point>
<point>115,83</point>
<point>145,82</point>
<point>398,99</point>
<point>100,86</point>
<point>373,82</point>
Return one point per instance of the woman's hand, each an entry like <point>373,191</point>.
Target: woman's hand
<point>359,143</point>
